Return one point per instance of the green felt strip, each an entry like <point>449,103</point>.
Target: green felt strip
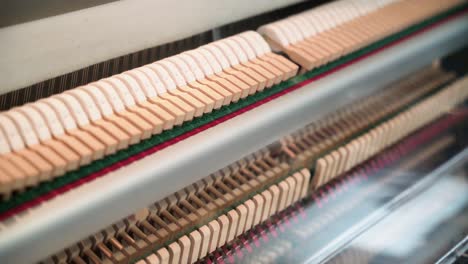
<point>98,165</point>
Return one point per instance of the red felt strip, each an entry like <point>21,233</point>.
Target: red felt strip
<point>159,147</point>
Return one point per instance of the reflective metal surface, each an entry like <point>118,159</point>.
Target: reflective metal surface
<point>407,205</point>
<point>423,228</point>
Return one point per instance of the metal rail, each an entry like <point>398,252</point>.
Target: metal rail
<point>82,211</point>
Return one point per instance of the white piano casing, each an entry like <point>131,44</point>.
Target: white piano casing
<point>35,51</point>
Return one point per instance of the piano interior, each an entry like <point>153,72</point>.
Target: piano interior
<point>308,132</point>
